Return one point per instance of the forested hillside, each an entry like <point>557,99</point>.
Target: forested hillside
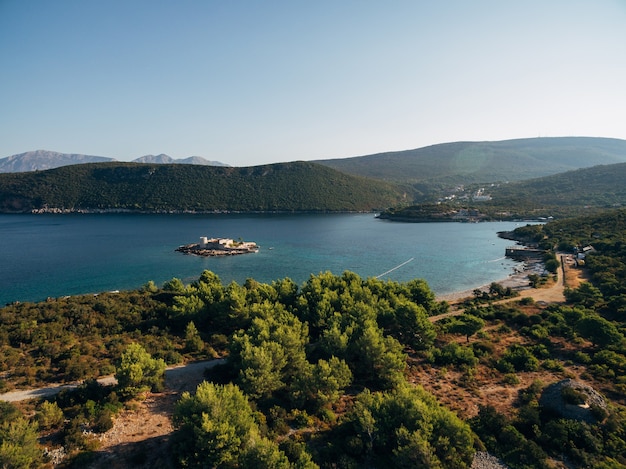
<point>561,195</point>
<point>482,162</point>
<point>599,186</point>
<point>150,187</point>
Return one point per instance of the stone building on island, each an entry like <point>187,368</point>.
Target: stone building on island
<point>219,247</point>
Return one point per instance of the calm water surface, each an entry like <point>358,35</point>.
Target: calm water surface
<point>54,255</point>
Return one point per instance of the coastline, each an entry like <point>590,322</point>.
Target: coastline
<point>132,250</point>
<point>518,281</point>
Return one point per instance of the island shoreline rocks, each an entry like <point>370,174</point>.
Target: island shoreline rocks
<point>218,247</point>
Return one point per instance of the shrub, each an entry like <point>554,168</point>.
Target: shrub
<point>193,341</point>
<point>552,265</point>
<point>552,365</point>
<point>483,349</point>
<point>510,379</point>
<point>301,419</point>
<point>103,421</point>
<point>277,420</point>
<point>582,357</point>
<point>531,393</point>
<point>455,354</point>
<point>572,396</point>
<point>536,332</point>
<point>73,437</point>
<point>49,415</point>
<point>18,444</point>
<point>8,412</point>
<point>505,367</point>
<point>520,358</point>
<point>296,453</point>
<point>327,415</point>
<point>541,351</point>
<point>138,371</point>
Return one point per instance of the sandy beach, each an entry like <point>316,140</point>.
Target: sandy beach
<point>518,281</point>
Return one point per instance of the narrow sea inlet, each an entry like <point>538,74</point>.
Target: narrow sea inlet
<point>55,255</point>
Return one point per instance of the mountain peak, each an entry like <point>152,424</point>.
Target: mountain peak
<point>161,158</point>
<point>40,160</point>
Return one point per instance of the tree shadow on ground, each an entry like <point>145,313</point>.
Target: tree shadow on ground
<point>152,453</point>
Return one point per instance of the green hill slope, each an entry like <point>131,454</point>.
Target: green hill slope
<point>571,193</point>
<point>467,162</point>
<point>296,186</point>
<point>600,186</point>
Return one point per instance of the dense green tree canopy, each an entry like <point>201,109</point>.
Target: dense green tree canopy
<point>298,186</point>
<point>19,448</point>
<point>217,428</point>
<point>407,428</point>
<point>138,371</point>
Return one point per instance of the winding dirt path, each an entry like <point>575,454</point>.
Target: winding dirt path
<point>177,378</point>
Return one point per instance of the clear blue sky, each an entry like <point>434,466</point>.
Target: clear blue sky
<point>254,82</point>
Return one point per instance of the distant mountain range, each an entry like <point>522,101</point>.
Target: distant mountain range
<point>481,162</point>
<point>165,159</point>
<point>424,175</point>
<point>40,160</point>
<point>442,164</point>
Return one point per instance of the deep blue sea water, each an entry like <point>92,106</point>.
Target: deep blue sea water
<point>55,255</point>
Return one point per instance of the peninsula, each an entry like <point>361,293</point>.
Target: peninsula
<point>218,247</point>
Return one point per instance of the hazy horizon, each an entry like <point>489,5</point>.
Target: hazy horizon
<point>249,83</point>
<point>286,161</point>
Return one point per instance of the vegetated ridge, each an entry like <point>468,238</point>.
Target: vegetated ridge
<point>446,163</point>
<point>40,160</point>
<point>599,186</point>
<point>590,189</point>
<point>298,186</point>
<point>481,162</point>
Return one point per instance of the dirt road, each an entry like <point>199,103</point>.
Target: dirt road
<point>177,378</point>
<point>567,276</point>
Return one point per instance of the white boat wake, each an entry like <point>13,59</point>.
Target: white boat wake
<point>395,268</point>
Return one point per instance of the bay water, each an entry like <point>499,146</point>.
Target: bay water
<point>56,255</point>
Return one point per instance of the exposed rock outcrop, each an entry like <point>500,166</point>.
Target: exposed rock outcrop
<point>574,400</point>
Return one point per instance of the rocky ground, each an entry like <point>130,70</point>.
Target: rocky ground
<point>140,434</point>
<point>484,460</point>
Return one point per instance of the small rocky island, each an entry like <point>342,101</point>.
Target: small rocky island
<point>218,247</point>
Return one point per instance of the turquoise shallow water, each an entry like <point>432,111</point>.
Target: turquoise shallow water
<point>54,255</point>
